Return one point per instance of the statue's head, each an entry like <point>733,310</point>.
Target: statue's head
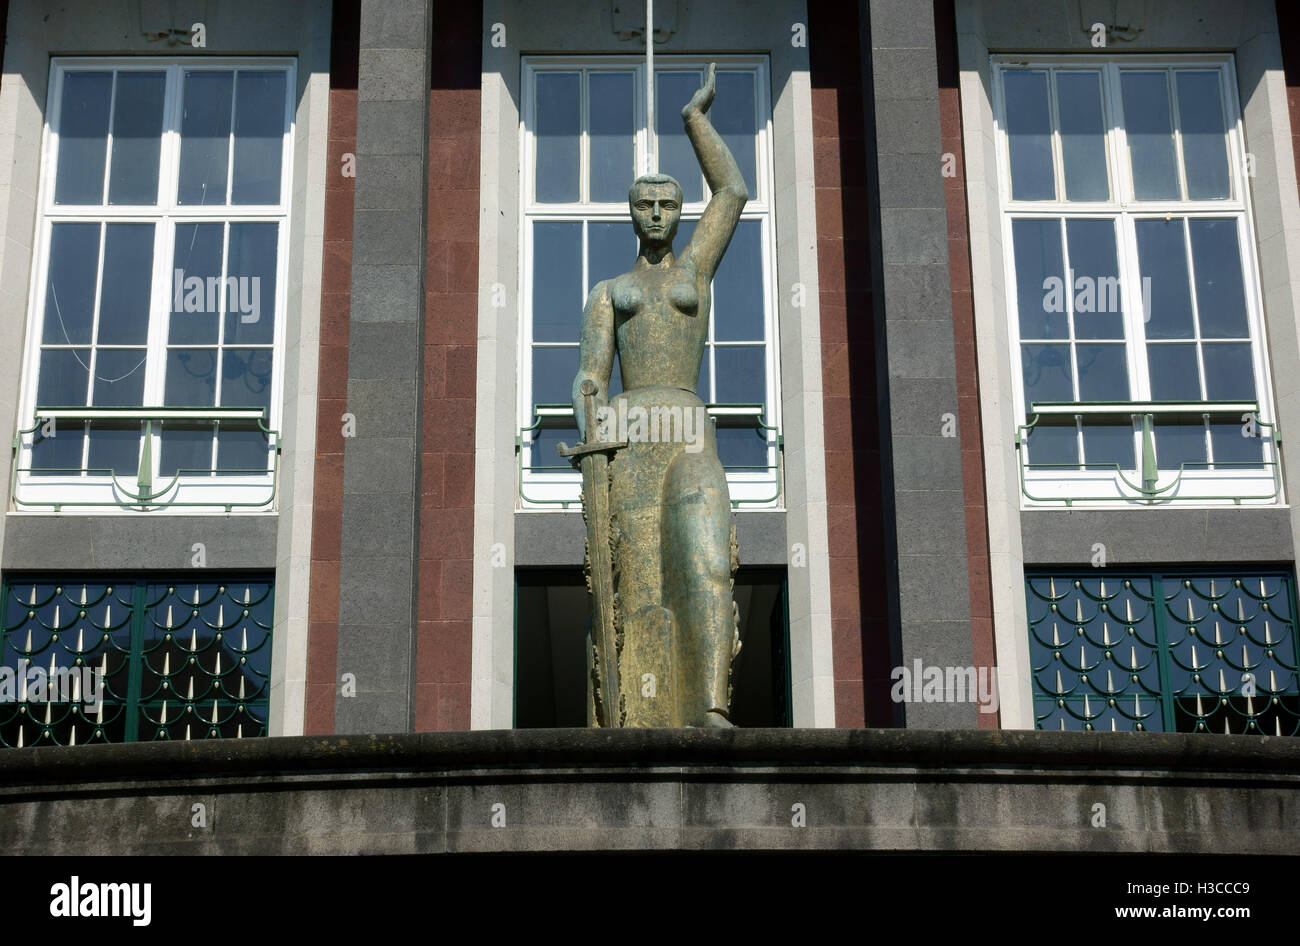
<point>656,204</point>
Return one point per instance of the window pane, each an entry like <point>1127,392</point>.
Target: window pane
<point>1231,446</point>
<point>205,137</point>
<point>1179,444</point>
<point>1109,444</point>
<point>685,230</point>
<point>557,281</point>
<point>83,137</point>
<point>734,115</point>
<point>1205,136</point>
<point>70,292</point>
<point>116,449</point>
<point>1083,135</point>
<point>738,287</point>
<point>128,271</point>
<point>64,372</point>
<point>250,297</point>
<point>553,372</point>
<point>1040,279</point>
<point>1029,135</point>
<point>246,377</point>
<point>259,137</point>
<point>1174,373</point>
<point>137,135</point>
<point>243,451</point>
<point>1229,372</point>
<point>196,266</point>
<point>1047,373</point>
<point>60,453</point>
<point>611,251</point>
<point>185,449</point>
<point>1098,302</point>
<point>1162,258</point>
<point>1150,135</point>
<point>544,458</point>
<point>741,375</point>
<point>1103,376</point>
<point>612,131</point>
<point>1220,295</point>
<point>1048,377</point>
<point>558,136</point>
<point>676,156</point>
<point>1176,377</point>
<point>743,449</point>
<point>191,377</point>
<point>119,377</point>
<point>1054,443</point>
<point>1230,375</point>
<point>615,377</point>
<point>1103,372</point>
<point>245,382</point>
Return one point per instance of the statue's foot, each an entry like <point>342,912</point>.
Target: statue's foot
<point>716,719</point>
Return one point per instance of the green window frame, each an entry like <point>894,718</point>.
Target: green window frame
<point>168,657</point>
<point>1189,650</point>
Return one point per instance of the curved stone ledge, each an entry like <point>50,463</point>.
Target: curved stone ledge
<point>888,790</point>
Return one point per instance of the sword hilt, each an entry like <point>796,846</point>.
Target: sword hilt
<point>589,389</point>
<point>591,445</point>
<point>583,449</point>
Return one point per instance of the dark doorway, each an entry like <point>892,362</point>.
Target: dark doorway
<point>552,610</point>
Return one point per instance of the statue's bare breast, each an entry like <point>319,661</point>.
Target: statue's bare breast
<point>660,326</point>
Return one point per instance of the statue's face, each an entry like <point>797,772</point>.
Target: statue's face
<point>656,211</point>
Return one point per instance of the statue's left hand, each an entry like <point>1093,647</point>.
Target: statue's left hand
<point>703,98</point>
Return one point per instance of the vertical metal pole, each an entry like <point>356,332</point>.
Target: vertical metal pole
<point>652,157</point>
<point>135,659</point>
<point>1150,472</point>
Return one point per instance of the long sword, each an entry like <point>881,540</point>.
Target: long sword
<point>595,484</point>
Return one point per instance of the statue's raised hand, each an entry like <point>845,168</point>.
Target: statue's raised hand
<point>703,97</point>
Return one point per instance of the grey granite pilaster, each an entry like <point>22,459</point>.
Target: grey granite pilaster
<point>381,498</point>
<point>928,584</point>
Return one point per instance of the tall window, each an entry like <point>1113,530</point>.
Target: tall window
<point>152,372</point>
<point>585,142</point>
<point>1132,281</point>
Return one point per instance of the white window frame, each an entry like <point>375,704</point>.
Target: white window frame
<point>212,492</point>
<point>547,490</point>
<point>1099,487</point>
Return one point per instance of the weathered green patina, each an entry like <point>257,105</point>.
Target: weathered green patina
<point>661,546</point>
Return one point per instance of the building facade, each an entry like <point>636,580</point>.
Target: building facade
<point>1001,358</point>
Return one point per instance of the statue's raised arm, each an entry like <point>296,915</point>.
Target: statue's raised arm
<point>713,232</point>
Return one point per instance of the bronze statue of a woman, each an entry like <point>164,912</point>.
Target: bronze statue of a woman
<point>661,538</point>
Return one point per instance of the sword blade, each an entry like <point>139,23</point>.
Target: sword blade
<point>596,484</point>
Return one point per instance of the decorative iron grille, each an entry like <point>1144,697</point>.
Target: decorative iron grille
<point>1171,652</point>
<point>133,660</point>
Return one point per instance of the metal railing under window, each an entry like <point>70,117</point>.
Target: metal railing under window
<point>1149,490</point>
<point>146,493</point>
<point>747,416</point>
